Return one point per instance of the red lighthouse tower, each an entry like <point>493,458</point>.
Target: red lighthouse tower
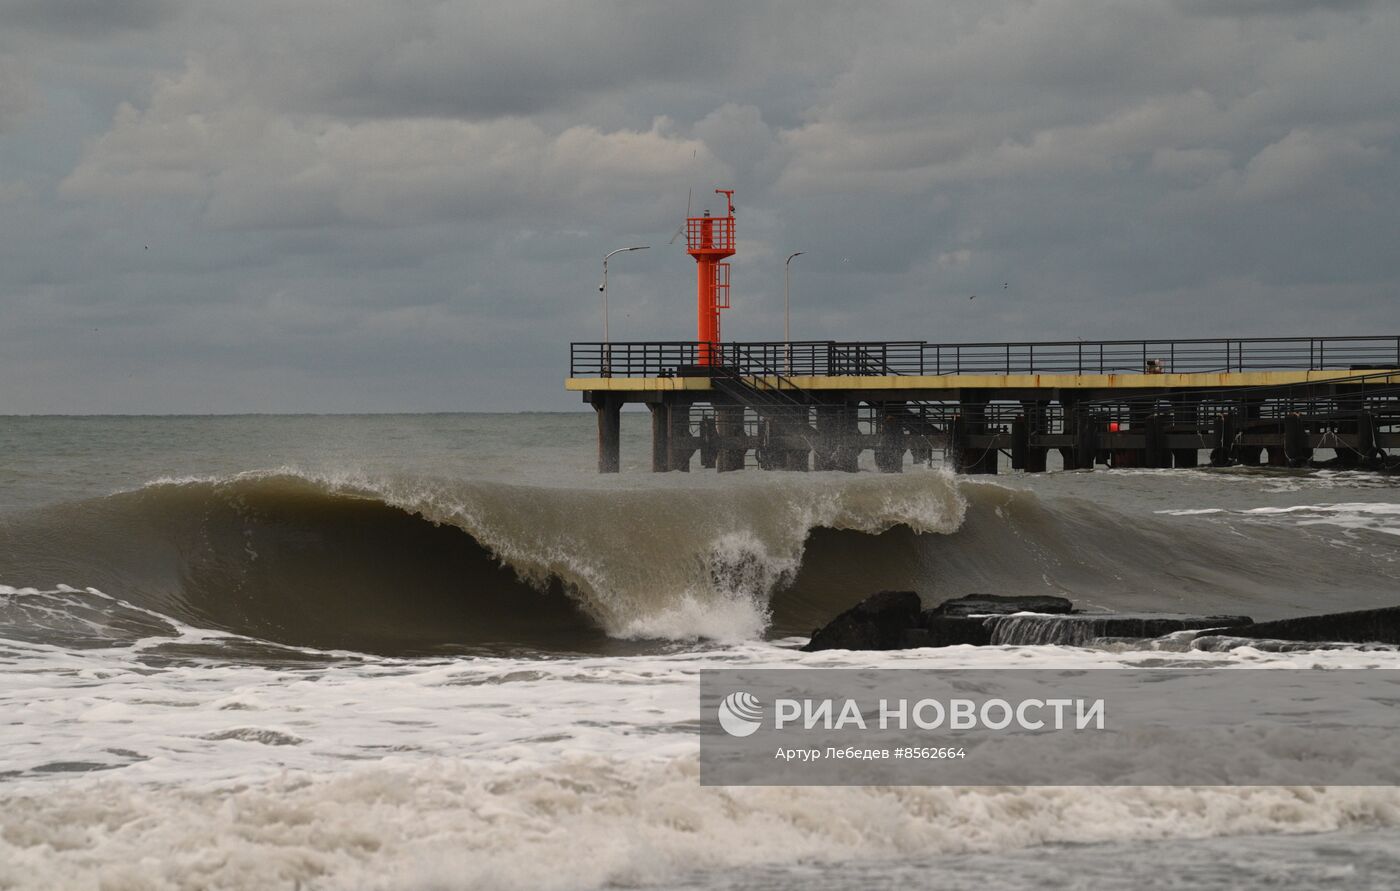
<point>709,240</point>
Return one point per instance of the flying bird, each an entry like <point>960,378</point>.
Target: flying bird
<point>973,297</point>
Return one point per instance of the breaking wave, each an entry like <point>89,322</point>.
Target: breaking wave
<point>406,565</point>
<point>411,565</point>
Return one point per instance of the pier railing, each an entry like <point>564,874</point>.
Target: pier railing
<point>913,357</point>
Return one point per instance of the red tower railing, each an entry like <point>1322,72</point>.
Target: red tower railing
<point>710,240</point>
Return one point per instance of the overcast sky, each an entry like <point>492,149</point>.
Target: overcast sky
<point>401,206</point>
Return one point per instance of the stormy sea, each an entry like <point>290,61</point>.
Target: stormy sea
<point>441,651</point>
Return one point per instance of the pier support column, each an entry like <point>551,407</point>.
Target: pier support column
<point>1295,440</point>
<point>1086,440</point>
<point>660,437</point>
<point>1155,451</point>
<point>824,453</point>
<point>1075,422</point>
<point>767,452</point>
<point>1223,455</point>
<point>1366,436</point>
<point>1035,460</point>
<point>1250,455</point>
<point>1186,415</point>
<point>975,459</point>
<point>709,441</point>
<point>889,454</point>
<point>1276,452</point>
<point>729,421</point>
<point>1035,415</point>
<point>1020,442</point>
<point>957,443</point>
<point>609,409</point>
<point>678,437</point>
<point>1186,457</point>
<point>848,454</point>
<point>798,426</point>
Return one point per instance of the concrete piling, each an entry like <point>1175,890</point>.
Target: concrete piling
<point>729,425</point>
<point>681,444</point>
<point>609,412</point>
<point>660,437</point>
<point>889,452</point>
<point>1296,448</point>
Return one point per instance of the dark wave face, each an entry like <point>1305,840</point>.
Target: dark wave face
<point>287,561</point>
<point>421,566</point>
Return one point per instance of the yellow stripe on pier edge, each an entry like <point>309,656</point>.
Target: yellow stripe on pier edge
<point>1229,379</point>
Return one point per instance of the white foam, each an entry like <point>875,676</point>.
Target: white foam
<point>507,773</point>
<point>1381,517</point>
<point>585,823</point>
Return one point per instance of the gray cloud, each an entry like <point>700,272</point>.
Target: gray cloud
<point>1269,7</point>
<point>261,207</point>
<point>15,91</point>
<point>86,18</point>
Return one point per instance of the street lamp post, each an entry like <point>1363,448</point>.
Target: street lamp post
<point>607,340</point>
<point>787,308</point>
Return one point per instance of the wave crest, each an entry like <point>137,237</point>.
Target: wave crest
<point>387,564</point>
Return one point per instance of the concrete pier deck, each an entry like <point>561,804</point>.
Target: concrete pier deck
<point>819,405</point>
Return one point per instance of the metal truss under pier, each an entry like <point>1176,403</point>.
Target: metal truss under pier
<point>817,405</point>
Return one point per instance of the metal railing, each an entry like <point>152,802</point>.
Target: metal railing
<point>912,357</point>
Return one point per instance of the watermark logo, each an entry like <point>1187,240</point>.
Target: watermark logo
<point>1061,727</point>
<point>740,714</point>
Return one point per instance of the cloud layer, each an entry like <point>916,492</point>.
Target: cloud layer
<point>318,207</point>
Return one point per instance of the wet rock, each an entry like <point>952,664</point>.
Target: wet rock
<point>878,622</point>
<point>1002,605</point>
<point>1363,626</point>
<point>893,620</point>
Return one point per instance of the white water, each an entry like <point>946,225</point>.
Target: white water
<point>177,758</point>
<point>1363,515</point>
<point>360,772</point>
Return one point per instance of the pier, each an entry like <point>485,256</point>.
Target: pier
<point>818,405</point>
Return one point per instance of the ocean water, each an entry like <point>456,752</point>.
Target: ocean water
<point>440,651</point>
